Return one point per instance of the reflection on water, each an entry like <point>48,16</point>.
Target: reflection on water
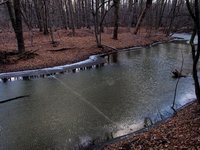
<point>69,109</point>
<point>114,57</point>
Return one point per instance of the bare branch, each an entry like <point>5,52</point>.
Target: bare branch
<point>4,2</point>
<point>190,10</point>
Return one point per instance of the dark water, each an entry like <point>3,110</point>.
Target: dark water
<point>70,109</point>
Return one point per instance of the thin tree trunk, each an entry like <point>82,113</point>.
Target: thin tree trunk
<point>116,24</point>
<point>16,20</point>
<point>148,5</point>
<point>18,26</point>
<point>63,14</point>
<point>162,9</point>
<point>95,13</point>
<point>83,13</point>
<point>195,53</point>
<point>71,13</point>
<point>67,13</point>
<point>87,13</point>
<point>172,17</point>
<point>38,14</point>
<point>130,9</point>
<point>102,14</point>
<point>45,18</point>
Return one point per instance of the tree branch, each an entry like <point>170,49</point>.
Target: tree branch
<point>176,87</point>
<point>190,10</point>
<point>102,4</point>
<point>102,19</point>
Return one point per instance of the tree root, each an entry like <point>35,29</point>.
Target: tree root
<point>27,55</point>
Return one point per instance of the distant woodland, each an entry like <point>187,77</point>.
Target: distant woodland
<point>75,14</point>
<point>48,16</point>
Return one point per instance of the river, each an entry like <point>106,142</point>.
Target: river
<point>68,110</point>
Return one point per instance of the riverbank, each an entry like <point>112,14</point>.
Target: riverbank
<point>69,49</point>
<point>178,132</point>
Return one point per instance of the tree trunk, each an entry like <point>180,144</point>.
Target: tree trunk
<point>102,15</point>
<point>95,13</point>
<point>172,17</point>
<point>130,9</point>
<point>195,52</point>
<point>38,14</point>
<point>16,19</point>
<point>116,25</point>
<point>45,18</point>
<point>67,13</point>
<point>71,13</point>
<point>87,13</point>
<point>162,9</point>
<point>63,14</point>
<point>198,46</point>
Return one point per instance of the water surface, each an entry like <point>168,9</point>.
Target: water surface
<point>70,109</point>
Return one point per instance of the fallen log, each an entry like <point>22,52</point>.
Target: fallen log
<point>12,99</point>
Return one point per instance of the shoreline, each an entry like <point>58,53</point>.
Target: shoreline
<point>160,131</point>
<point>91,62</point>
<point>78,48</point>
<point>102,145</point>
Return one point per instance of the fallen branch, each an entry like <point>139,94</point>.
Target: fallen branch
<point>176,87</point>
<point>177,74</point>
<point>60,50</point>
<point>12,99</point>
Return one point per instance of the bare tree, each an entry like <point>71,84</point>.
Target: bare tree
<point>161,13</point>
<point>116,19</point>
<point>38,14</point>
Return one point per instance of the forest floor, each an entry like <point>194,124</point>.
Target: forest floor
<point>181,131</point>
<point>68,49</point>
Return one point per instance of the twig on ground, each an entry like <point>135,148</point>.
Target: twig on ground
<point>60,49</point>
